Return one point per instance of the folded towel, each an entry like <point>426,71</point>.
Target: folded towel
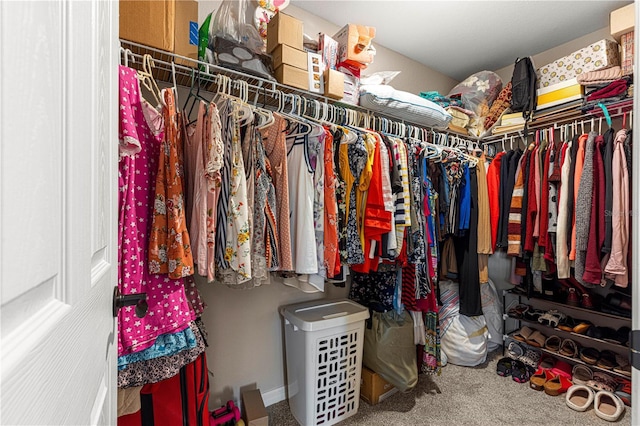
<point>600,76</point>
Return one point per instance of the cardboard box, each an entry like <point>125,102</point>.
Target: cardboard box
<point>253,409</point>
<point>599,55</point>
<point>333,84</point>
<point>170,25</point>
<point>560,93</point>
<point>284,54</point>
<point>373,388</point>
<point>328,48</point>
<point>314,65</point>
<point>622,20</point>
<point>626,53</point>
<point>292,76</point>
<point>351,90</point>
<point>354,42</point>
<point>284,29</point>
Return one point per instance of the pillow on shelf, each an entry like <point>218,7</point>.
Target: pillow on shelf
<point>403,105</point>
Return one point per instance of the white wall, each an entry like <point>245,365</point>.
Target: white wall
<point>548,56</point>
<point>415,77</point>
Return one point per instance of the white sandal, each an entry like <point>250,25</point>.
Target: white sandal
<point>608,406</point>
<point>579,397</point>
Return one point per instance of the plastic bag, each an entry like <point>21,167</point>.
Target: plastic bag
<point>380,77</point>
<point>230,22</point>
<point>389,349</point>
<point>478,91</point>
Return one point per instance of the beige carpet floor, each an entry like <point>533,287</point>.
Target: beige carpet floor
<point>464,396</point>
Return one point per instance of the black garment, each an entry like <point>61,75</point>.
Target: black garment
<point>511,182</point>
<point>607,158</point>
<point>628,147</point>
<point>570,191</point>
<point>467,256</point>
<point>504,209</point>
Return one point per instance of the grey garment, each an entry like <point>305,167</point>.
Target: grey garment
<point>157,369</point>
<point>583,208</point>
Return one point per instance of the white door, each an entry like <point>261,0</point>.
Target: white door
<point>58,211</point>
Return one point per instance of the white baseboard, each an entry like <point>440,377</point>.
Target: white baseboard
<point>274,396</point>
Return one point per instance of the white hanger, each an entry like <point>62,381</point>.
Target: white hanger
<point>146,78</point>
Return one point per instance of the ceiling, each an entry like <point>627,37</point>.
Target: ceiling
<point>459,38</point>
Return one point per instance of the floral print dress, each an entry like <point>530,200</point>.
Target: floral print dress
<point>238,242</point>
<point>353,158</point>
<point>169,245</point>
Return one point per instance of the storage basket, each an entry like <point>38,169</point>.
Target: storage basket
<point>324,341</point>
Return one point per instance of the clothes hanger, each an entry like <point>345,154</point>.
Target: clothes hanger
<point>124,58</point>
<point>145,77</point>
<point>193,96</point>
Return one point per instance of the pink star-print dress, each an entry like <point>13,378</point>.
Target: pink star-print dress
<point>141,133</point>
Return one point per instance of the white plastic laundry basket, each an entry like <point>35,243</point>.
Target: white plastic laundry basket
<point>324,342</point>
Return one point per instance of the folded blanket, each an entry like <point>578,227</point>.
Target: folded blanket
<point>498,106</point>
<point>614,89</point>
<point>601,76</point>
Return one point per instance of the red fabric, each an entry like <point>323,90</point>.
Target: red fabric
<point>493,187</point>
<point>544,202</point>
<point>133,419</point>
<point>408,296</point>
<point>163,401</point>
<point>592,270</point>
<point>532,204</point>
<point>377,221</point>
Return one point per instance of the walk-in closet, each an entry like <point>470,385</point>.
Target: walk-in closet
<point>292,212</point>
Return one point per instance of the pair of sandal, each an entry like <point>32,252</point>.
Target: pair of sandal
<point>528,357</point>
<point>571,325</point>
<point>552,384</point>
<point>530,337</point>
<point>518,371</point>
<point>606,359</point>
<point>566,347</point>
<point>607,405</point>
<point>602,382</point>
<point>552,318</point>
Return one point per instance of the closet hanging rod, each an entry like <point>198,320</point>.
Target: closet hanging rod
<point>184,66</point>
<point>577,117</point>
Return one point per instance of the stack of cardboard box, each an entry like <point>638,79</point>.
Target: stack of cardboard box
<point>284,43</point>
<point>622,23</point>
<point>344,56</point>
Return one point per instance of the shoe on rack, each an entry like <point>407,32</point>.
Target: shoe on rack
<point>579,397</point>
<point>581,374</point>
<point>586,302</point>
<point>572,297</point>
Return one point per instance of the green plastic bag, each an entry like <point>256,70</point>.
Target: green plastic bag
<point>389,348</point>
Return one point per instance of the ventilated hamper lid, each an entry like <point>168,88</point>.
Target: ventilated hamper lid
<point>323,314</point>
